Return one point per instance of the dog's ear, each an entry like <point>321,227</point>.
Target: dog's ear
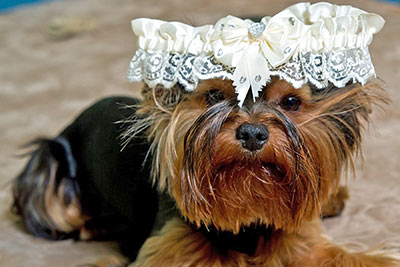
<point>349,109</point>
<point>162,99</point>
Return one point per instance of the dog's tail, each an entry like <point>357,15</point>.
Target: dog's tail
<point>46,193</point>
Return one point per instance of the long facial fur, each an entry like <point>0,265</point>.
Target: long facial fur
<point>216,182</point>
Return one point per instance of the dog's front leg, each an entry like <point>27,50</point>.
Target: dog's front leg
<point>331,255</point>
<point>311,248</point>
<point>179,245</point>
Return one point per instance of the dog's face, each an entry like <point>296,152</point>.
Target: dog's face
<point>272,161</point>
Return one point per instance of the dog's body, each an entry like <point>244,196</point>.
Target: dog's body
<point>188,188</point>
<point>105,192</point>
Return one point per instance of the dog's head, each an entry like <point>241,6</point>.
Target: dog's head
<point>269,162</point>
<point>232,143</point>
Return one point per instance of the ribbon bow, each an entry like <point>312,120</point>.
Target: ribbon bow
<point>251,47</point>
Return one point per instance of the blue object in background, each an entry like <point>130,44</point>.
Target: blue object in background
<point>6,5</point>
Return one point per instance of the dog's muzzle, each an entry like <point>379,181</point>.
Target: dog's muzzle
<point>252,136</point>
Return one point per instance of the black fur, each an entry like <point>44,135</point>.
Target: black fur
<point>112,185</point>
<point>245,241</point>
<point>30,185</point>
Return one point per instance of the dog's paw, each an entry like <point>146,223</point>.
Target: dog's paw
<point>336,203</point>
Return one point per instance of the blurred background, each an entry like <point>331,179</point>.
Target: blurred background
<point>57,57</point>
<point>10,5</point>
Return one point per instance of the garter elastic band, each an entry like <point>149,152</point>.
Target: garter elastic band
<point>304,43</point>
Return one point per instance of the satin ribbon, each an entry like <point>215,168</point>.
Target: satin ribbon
<point>233,45</point>
<point>300,28</point>
<point>156,35</point>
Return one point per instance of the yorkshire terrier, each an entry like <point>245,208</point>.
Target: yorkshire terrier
<point>194,179</point>
<point>245,185</point>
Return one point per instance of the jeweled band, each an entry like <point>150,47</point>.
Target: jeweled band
<point>304,43</point>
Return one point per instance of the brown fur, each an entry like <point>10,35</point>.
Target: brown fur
<point>41,200</point>
<point>67,217</point>
<point>179,245</point>
<point>336,203</point>
<point>203,156</point>
<point>217,183</point>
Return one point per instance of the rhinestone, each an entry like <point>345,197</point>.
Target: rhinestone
<point>317,61</point>
<point>287,50</point>
<point>292,21</point>
<point>257,78</point>
<point>220,52</point>
<point>256,29</point>
<point>155,61</point>
<point>242,79</point>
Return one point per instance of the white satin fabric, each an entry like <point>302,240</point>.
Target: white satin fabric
<point>301,28</point>
<point>156,35</point>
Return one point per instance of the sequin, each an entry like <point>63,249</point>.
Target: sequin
<point>256,29</point>
<point>336,67</point>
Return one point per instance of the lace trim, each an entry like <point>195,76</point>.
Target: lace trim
<point>167,69</point>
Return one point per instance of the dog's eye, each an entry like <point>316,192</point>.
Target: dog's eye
<point>214,96</point>
<point>290,103</point>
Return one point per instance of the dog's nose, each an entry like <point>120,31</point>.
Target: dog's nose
<point>252,136</point>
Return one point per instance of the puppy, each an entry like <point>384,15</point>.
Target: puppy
<point>249,182</point>
<point>237,186</point>
<point>243,133</point>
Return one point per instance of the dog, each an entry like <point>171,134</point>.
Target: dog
<point>211,176</point>
<point>244,185</point>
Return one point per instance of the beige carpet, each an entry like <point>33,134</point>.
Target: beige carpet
<point>44,83</point>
